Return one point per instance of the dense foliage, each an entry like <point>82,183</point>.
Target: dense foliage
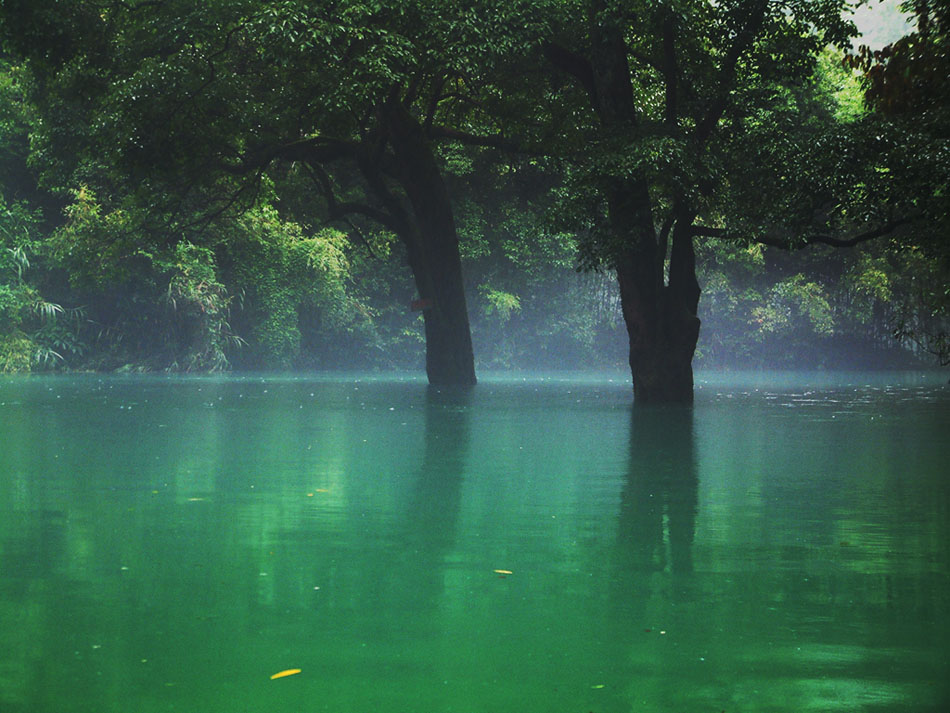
<point>242,183</point>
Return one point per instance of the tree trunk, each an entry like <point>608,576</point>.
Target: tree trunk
<point>661,319</point>
<point>661,356</point>
<point>432,243</point>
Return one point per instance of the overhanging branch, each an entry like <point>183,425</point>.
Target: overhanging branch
<point>798,242</point>
<point>495,142</point>
<point>339,210</point>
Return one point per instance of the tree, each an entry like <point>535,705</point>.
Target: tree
<point>35,332</point>
<point>708,121</point>
<point>650,124</point>
<point>664,80</point>
<point>907,88</point>
<point>200,102</point>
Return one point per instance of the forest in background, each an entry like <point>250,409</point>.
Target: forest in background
<point>118,253</point>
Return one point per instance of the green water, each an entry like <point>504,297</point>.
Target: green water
<point>167,544</point>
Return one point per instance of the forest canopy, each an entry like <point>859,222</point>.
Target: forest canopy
<point>272,184</point>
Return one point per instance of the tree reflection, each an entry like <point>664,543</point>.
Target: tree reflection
<point>657,516</point>
<point>652,564</point>
<point>659,498</point>
<point>433,509</point>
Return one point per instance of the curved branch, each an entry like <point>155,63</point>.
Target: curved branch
<point>338,210</point>
<point>799,242</point>
<point>495,142</point>
<point>310,151</point>
<point>574,64</point>
<point>359,234</point>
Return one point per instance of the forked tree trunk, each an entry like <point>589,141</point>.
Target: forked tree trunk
<point>432,243</point>
<point>661,355</point>
<point>660,318</point>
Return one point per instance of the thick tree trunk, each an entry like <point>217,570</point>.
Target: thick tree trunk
<point>661,319</point>
<point>661,355</point>
<point>432,243</point>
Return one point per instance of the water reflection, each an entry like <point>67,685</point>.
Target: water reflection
<point>659,497</point>
<point>433,509</point>
<point>173,556</point>
<point>652,558</point>
<point>428,532</point>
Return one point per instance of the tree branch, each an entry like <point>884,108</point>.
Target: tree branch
<point>434,102</point>
<point>575,65</point>
<point>727,73</point>
<point>310,151</point>
<point>495,142</point>
<point>359,234</point>
<point>799,242</point>
<point>670,71</point>
<point>338,210</point>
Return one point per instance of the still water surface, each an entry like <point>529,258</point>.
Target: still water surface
<point>167,544</point>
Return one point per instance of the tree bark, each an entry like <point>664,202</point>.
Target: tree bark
<point>660,318</point>
<point>432,242</point>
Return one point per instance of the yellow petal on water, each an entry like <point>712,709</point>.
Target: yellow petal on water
<point>502,571</point>
<point>287,672</point>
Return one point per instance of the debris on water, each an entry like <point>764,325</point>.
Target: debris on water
<point>285,673</point>
<point>502,571</point>
<point>599,685</point>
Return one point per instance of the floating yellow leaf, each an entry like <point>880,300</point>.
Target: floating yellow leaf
<point>502,571</point>
<point>283,674</point>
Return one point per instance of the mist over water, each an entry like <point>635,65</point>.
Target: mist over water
<point>532,544</point>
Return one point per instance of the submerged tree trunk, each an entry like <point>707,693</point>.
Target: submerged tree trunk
<point>660,316</point>
<point>432,243</point>
<point>661,349</point>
